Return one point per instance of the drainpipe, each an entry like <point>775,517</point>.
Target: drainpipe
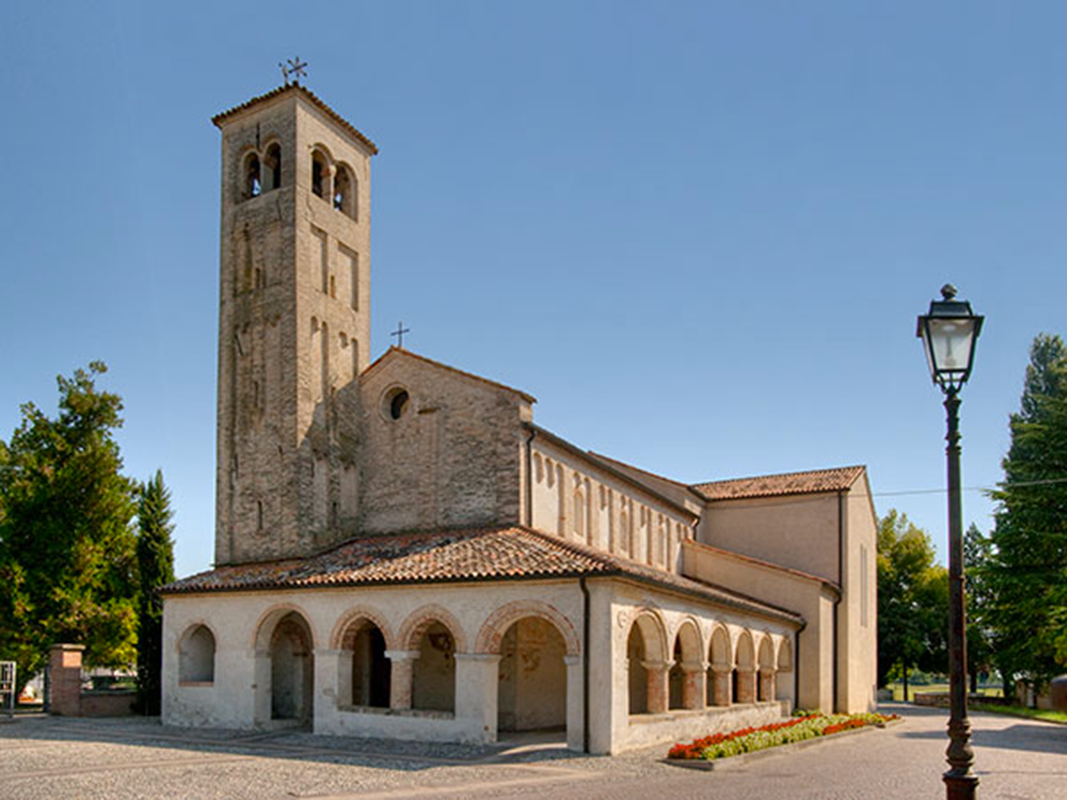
<point>840,583</point>
<point>585,663</point>
<point>529,478</point>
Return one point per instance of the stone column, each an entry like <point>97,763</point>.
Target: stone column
<point>477,680</point>
<point>261,688</point>
<point>746,686</point>
<point>659,688</point>
<point>327,666</point>
<point>694,684</point>
<point>403,663</point>
<point>720,678</point>
<point>768,684</point>
<point>65,679</point>
<point>575,715</point>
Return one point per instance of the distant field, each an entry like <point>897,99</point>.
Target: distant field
<point>898,690</point>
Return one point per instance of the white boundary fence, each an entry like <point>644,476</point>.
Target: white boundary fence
<point>7,687</point>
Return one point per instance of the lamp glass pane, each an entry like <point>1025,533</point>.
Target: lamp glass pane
<point>951,340</point>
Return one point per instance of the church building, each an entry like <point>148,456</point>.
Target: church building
<point>402,552</point>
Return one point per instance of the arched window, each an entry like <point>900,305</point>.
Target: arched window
<point>320,174</point>
<point>252,179</point>
<point>344,191</point>
<point>579,508</point>
<point>273,167</point>
<point>196,656</point>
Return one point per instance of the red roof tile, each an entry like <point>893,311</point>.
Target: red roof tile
<point>817,480</point>
<point>309,95</point>
<point>508,553</point>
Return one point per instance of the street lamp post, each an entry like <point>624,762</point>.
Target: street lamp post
<point>949,332</point>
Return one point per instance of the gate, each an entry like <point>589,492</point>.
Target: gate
<point>7,687</point>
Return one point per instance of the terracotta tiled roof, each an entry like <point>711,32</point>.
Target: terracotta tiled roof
<point>401,351</point>
<point>310,96</point>
<point>817,480</point>
<point>507,553</point>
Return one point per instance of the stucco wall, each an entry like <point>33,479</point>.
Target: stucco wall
<point>579,501</point>
<point>798,531</point>
<point>859,610</point>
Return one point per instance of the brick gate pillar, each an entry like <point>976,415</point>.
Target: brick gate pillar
<point>403,662</point>
<point>659,690</point>
<point>65,679</point>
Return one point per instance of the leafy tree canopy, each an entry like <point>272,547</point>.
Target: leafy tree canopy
<point>67,567</point>
<point>912,599</point>
<point>1027,575</point>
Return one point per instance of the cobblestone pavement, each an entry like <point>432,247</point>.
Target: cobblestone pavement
<point>54,757</point>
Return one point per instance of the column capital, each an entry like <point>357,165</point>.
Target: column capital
<point>488,658</point>
<point>694,666</point>
<point>571,660</point>
<point>657,664</point>
<point>329,652</point>
<point>401,655</point>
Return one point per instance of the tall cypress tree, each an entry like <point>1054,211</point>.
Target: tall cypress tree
<point>155,561</point>
<point>1028,569</point>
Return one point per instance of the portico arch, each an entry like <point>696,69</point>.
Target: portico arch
<point>498,623</point>
<point>646,654</point>
<point>687,660</point>
<point>765,688</point>
<point>720,656</point>
<point>284,648</point>
<point>744,689</point>
<point>362,638</point>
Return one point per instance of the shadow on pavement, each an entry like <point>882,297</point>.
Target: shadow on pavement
<point>284,744</point>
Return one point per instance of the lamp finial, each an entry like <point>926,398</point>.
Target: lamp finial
<point>948,291</point>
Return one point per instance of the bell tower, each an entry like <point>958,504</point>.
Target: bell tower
<point>294,325</point>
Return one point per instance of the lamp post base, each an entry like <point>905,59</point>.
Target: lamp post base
<point>960,785</point>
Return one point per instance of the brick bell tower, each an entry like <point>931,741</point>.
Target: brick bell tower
<point>294,325</point>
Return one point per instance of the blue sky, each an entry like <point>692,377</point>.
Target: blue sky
<point>698,233</point>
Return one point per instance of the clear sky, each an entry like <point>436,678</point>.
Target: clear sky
<point>699,233</point>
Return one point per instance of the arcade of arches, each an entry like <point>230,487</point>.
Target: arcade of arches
<point>450,671</point>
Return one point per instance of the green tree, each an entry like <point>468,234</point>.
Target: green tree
<point>67,569</point>
<point>977,551</point>
<point>912,600</point>
<point>155,565</point>
<point>1028,568</point>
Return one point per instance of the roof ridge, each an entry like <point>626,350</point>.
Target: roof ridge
<point>780,475</point>
<point>488,381</point>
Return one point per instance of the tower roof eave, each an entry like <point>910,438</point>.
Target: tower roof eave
<point>308,95</point>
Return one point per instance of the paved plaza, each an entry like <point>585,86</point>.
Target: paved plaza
<point>50,757</point>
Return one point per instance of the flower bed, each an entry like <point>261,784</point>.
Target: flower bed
<point>749,740</point>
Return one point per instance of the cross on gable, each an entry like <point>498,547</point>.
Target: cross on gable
<point>293,69</point>
<point>399,334</point>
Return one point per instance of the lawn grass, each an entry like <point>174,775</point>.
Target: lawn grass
<point>1021,711</point>
<point>935,688</point>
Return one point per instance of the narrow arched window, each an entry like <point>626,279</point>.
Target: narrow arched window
<point>344,191</point>
<point>319,174</point>
<point>273,164</point>
<point>252,178</point>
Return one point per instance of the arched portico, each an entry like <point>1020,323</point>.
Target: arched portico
<point>284,667</point>
<point>648,664</point>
